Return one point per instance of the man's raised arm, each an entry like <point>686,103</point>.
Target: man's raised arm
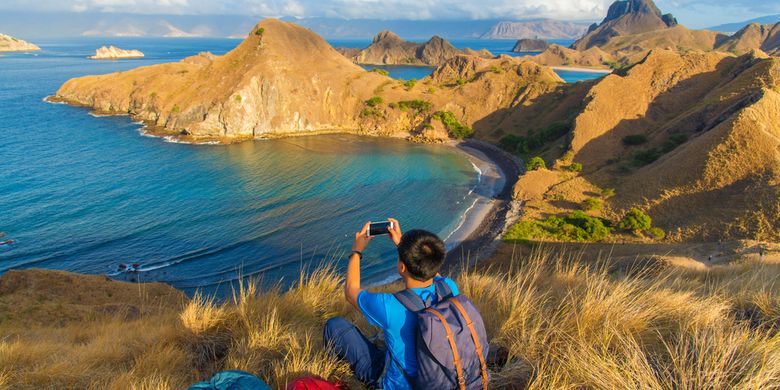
<point>352,285</point>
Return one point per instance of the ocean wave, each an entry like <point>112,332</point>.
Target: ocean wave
<point>144,131</point>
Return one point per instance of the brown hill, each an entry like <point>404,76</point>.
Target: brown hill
<point>557,55</point>
<point>629,31</point>
<point>389,49</point>
<point>754,36</point>
<point>625,18</point>
<point>74,297</point>
<point>692,139</point>
<point>285,79</point>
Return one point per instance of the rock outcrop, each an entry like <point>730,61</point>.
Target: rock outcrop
<point>539,28</point>
<point>10,44</point>
<point>530,45</point>
<point>630,30</point>
<point>113,53</point>
<point>626,17</point>
<point>388,48</point>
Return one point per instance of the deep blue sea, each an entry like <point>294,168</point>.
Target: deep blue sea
<point>87,194</point>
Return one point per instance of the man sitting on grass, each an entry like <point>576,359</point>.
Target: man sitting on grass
<point>420,256</point>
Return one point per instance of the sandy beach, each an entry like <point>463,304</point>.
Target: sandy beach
<point>484,222</point>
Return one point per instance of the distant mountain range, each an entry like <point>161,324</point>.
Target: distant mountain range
<point>539,28</point>
<point>46,25</point>
<point>734,27</point>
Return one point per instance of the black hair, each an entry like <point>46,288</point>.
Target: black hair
<point>422,252</point>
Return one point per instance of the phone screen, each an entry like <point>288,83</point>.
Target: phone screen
<point>378,228</point>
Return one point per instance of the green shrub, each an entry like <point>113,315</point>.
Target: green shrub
<point>593,204</point>
<point>259,32</point>
<point>496,69</point>
<point>657,233</point>
<point>607,193</point>
<point>237,99</point>
<point>374,101</point>
<point>176,109</point>
<point>381,71</point>
<point>417,105</point>
<point>456,129</point>
<point>646,156</point>
<point>636,220</point>
<point>574,167</point>
<point>674,141</point>
<point>409,84</point>
<point>576,226</point>
<point>535,163</point>
<point>460,81</point>
<point>635,139</point>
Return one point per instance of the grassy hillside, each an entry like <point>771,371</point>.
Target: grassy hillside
<point>562,322</point>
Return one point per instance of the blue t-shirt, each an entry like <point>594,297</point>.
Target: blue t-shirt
<point>399,325</point>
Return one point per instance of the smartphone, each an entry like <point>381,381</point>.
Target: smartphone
<point>379,228</point>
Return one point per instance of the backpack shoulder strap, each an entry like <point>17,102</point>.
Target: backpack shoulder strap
<point>410,300</point>
<point>443,290</point>
<point>477,345</point>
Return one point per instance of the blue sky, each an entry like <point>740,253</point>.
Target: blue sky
<point>693,13</point>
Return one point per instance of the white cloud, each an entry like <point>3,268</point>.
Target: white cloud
<point>399,9</point>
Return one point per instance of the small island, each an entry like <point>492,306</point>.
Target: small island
<point>530,45</point>
<point>10,44</point>
<point>113,53</point>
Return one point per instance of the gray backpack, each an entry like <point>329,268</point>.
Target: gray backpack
<point>451,344</point>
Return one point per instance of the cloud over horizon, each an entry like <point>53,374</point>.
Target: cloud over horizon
<point>695,12</point>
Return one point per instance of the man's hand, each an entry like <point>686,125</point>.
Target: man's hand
<point>362,239</point>
<point>395,231</point>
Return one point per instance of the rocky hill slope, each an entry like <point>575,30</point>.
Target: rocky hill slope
<point>388,48</point>
<point>9,44</point>
<point>629,31</point>
<point>539,28</point>
<point>765,37</point>
<point>625,17</point>
<point>691,139</point>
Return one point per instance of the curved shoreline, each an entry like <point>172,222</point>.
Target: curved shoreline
<point>484,222</point>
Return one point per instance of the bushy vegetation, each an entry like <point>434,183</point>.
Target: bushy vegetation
<point>636,220</point>
<point>417,105</point>
<point>607,193</point>
<point>536,138</point>
<point>535,163</point>
<point>648,156</point>
<point>260,31</point>
<point>635,139</point>
<point>576,226</point>
<point>455,128</point>
<point>374,101</point>
<point>573,167</point>
<point>381,71</point>
<point>657,233</point>
<point>592,204</point>
<point>565,322</point>
<point>409,84</point>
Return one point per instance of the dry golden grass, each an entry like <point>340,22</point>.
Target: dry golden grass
<point>564,322</point>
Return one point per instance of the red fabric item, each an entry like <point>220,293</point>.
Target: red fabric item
<point>314,383</point>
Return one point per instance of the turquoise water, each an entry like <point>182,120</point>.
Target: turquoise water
<point>87,194</point>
